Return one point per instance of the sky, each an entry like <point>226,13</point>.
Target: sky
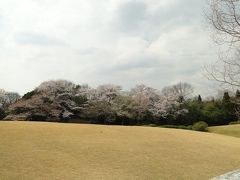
<point>123,42</point>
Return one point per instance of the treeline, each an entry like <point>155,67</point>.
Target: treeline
<point>214,112</point>
<point>63,101</point>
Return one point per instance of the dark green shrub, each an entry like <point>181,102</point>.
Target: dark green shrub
<point>29,95</point>
<point>19,110</point>
<point>2,114</point>
<point>79,100</point>
<point>47,100</point>
<point>37,117</point>
<point>200,126</point>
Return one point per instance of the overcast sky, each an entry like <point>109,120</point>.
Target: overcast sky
<point>125,42</point>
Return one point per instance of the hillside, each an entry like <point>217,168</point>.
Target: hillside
<point>33,150</point>
<point>229,130</point>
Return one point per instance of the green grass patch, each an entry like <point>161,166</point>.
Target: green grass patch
<point>229,130</point>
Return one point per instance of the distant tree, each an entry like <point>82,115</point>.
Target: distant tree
<point>12,97</point>
<point>7,98</point>
<point>199,98</point>
<point>182,90</point>
<point>237,95</point>
<point>108,92</point>
<point>228,110</point>
<point>168,106</point>
<point>224,19</point>
<point>102,104</point>
<point>195,112</point>
<point>226,98</point>
<point>236,102</point>
<point>2,114</point>
<point>28,95</point>
<point>57,86</point>
<point>212,112</point>
<point>124,108</point>
<point>142,97</point>
<point>62,100</point>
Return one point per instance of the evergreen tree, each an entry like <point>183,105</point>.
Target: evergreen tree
<point>237,104</point>
<point>2,114</point>
<point>199,98</point>
<point>237,94</point>
<point>226,98</point>
<point>228,108</point>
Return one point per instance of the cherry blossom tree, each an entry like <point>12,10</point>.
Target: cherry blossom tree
<point>108,92</point>
<point>143,96</point>
<point>160,105</point>
<point>56,86</point>
<point>167,106</point>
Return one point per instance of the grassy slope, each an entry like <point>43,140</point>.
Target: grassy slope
<point>32,150</point>
<point>230,130</point>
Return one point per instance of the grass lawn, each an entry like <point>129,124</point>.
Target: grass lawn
<point>230,130</point>
<point>42,151</point>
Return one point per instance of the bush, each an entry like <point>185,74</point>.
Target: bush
<point>29,95</point>
<point>37,117</point>
<point>2,114</point>
<point>79,100</point>
<point>200,126</point>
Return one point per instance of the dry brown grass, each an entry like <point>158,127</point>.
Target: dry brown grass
<point>229,130</point>
<point>32,150</point>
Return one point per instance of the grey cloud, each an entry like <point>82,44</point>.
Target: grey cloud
<point>37,39</point>
<point>130,15</point>
<point>137,63</point>
<point>136,17</point>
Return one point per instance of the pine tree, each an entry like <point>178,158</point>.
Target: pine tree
<point>199,98</point>
<point>226,98</point>
<point>237,94</point>
<point>228,108</point>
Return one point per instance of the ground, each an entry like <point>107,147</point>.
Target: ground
<point>35,150</point>
<point>230,130</point>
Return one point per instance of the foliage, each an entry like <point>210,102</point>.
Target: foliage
<point>213,113</point>
<point>29,95</point>
<point>37,117</point>
<point>7,98</point>
<point>79,100</point>
<point>200,126</point>
<point>199,98</point>
<point>64,101</point>
<point>2,114</point>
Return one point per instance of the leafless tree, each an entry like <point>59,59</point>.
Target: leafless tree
<point>226,71</point>
<point>182,90</point>
<point>224,18</point>
<point>7,98</point>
